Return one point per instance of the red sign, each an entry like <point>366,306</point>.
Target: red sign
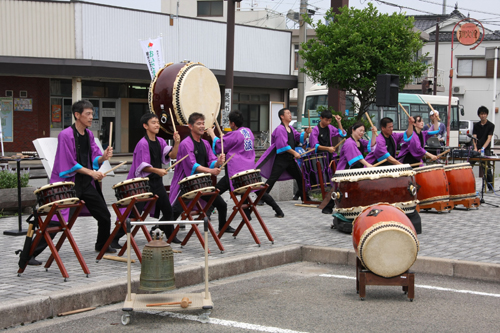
<point>468,34</point>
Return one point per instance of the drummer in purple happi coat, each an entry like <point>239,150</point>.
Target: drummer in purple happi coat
<point>240,143</point>
<point>322,135</point>
<point>77,160</point>
<point>351,154</point>
<point>149,155</point>
<point>413,151</point>
<point>201,160</point>
<point>388,141</point>
<point>278,162</point>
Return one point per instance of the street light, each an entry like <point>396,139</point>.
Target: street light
<point>492,54</point>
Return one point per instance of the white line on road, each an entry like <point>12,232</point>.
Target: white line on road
<point>228,323</point>
<point>423,286</point>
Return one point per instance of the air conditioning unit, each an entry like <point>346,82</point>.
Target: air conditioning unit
<point>458,90</point>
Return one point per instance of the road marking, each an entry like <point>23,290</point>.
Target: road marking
<point>228,323</point>
<point>460,291</point>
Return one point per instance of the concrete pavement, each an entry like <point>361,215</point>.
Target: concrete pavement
<point>460,243</point>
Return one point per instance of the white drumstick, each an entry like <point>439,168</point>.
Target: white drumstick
<point>116,167</point>
<point>110,133</point>
<point>179,161</point>
<point>173,122</point>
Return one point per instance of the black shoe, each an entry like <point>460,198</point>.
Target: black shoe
<point>108,250</point>
<point>295,197</point>
<point>34,262</point>
<point>176,240</point>
<point>115,244</point>
<point>230,230</point>
<point>327,210</point>
<point>279,215</point>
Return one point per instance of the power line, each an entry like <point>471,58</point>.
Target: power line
<point>471,10</point>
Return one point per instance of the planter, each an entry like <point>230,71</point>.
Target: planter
<point>8,197</point>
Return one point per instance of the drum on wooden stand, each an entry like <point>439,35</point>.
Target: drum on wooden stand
<point>61,193</point>
<point>385,240</point>
<point>461,181</point>
<point>433,184</point>
<point>132,188</point>
<point>184,88</point>
<point>192,185</point>
<point>311,171</point>
<point>356,189</point>
<point>245,179</point>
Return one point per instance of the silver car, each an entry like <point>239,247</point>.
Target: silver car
<point>466,127</point>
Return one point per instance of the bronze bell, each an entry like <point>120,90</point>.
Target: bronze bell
<point>157,268</point>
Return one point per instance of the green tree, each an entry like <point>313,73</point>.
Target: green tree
<point>356,45</point>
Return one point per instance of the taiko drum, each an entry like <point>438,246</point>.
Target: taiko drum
<point>461,181</point>
<point>432,184</point>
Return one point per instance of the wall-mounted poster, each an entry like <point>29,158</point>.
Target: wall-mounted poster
<point>23,104</point>
<point>56,113</point>
<point>7,118</point>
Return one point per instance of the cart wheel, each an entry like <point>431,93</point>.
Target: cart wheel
<point>272,243</point>
<point>258,245</point>
<point>234,237</point>
<point>46,269</point>
<point>222,252</point>
<point>87,275</point>
<point>411,299</point>
<point>65,280</point>
<point>18,275</point>
<point>97,261</point>
<point>362,298</point>
<point>125,319</point>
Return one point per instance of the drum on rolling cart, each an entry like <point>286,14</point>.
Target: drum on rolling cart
<point>311,172</point>
<point>461,181</point>
<point>200,182</point>
<point>61,193</point>
<point>245,179</point>
<point>385,240</point>
<point>131,188</point>
<point>432,184</point>
<point>356,189</point>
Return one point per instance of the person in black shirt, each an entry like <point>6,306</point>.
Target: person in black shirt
<point>483,131</point>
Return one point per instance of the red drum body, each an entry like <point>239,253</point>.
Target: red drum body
<point>461,181</point>
<point>433,184</point>
<point>184,88</point>
<point>312,166</point>
<point>245,179</point>
<point>356,189</point>
<point>62,193</point>
<point>385,240</point>
<point>132,188</point>
<point>200,182</point>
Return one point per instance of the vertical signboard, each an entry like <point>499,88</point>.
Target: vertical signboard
<point>227,108</point>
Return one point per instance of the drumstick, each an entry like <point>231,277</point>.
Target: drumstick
<point>369,119</point>
<point>309,117</point>
<point>338,144</point>
<point>116,167</point>
<point>307,152</point>
<point>377,164</point>
<point>443,153</point>
<point>173,122</point>
<point>415,164</point>
<point>179,161</point>
<point>330,165</point>
<point>402,107</point>
<point>227,161</point>
<point>110,133</point>
<point>437,113</point>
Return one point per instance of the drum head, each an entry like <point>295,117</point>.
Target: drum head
<point>196,90</point>
<point>388,248</point>
<point>53,185</point>
<point>428,168</point>
<point>126,201</point>
<point>192,194</point>
<point>457,166</point>
<point>68,201</point>
<point>129,181</point>
<point>243,189</point>
<point>236,175</point>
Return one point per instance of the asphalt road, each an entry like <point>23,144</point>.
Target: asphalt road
<point>309,297</point>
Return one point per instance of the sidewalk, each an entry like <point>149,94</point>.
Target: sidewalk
<point>459,235</point>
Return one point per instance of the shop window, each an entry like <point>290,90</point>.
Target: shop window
<point>210,8</point>
<point>255,110</point>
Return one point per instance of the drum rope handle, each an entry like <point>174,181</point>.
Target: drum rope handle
<point>163,115</point>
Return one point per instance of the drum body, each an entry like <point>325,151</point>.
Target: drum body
<point>433,184</point>
<point>385,240</point>
<point>132,188</point>
<point>245,179</point>
<point>62,193</point>
<point>311,170</point>
<point>200,182</point>
<point>461,181</point>
<point>357,189</point>
<point>184,88</point>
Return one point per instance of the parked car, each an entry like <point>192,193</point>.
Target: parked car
<point>466,127</point>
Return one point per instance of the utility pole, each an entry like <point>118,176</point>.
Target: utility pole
<point>302,76</point>
<point>436,51</point>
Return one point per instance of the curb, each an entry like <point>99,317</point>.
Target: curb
<point>103,293</point>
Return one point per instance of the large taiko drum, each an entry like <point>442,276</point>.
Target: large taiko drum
<point>61,193</point>
<point>191,185</point>
<point>184,88</point>
<point>312,166</point>
<point>461,181</point>
<point>245,179</point>
<point>132,188</point>
<point>385,240</point>
<point>356,189</point>
<point>432,184</point>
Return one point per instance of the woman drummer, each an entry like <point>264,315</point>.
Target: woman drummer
<point>413,151</point>
<point>351,154</point>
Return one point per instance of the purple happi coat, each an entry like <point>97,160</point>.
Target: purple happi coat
<point>314,141</point>
<point>414,147</point>
<point>350,154</point>
<point>380,152</point>
<point>142,158</point>
<point>279,145</point>
<point>188,166</point>
<point>241,143</point>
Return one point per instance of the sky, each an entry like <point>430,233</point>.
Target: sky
<point>486,11</point>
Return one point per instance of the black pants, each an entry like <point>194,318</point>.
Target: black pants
<point>97,207</point>
<point>283,163</point>
<point>218,203</point>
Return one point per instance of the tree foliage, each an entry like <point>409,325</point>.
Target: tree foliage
<point>352,47</point>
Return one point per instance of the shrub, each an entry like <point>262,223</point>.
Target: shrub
<point>8,178</point>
